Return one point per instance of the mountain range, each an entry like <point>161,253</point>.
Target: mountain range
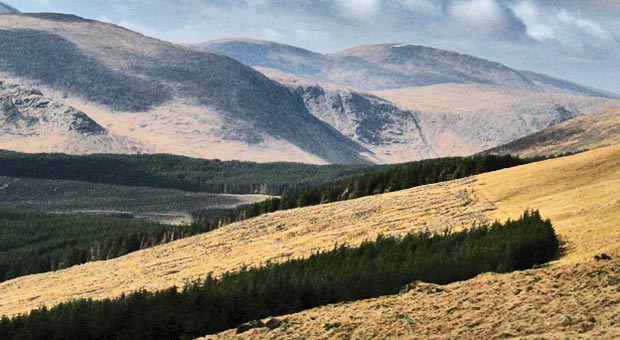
<point>263,101</point>
<point>390,66</point>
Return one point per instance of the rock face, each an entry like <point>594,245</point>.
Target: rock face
<point>371,121</point>
<point>27,110</point>
<point>390,66</point>
<point>30,121</point>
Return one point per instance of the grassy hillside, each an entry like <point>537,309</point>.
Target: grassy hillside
<point>400,177</point>
<point>343,274</point>
<point>579,193</point>
<point>580,134</point>
<point>176,172</point>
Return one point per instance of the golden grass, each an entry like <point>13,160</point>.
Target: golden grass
<point>575,298</point>
<point>273,237</point>
<point>559,302</point>
<point>584,133</point>
<point>579,193</point>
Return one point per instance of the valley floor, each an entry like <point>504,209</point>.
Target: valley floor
<point>160,205</point>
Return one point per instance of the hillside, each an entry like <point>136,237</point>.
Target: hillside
<point>5,9</point>
<point>579,134</point>
<point>567,190</point>
<point>169,97</point>
<point>576,297</point>
<point>32,122</point>
<point>464,119</point>
<point>390,66</point>
<point>392,134</point>
<point>439,120</point>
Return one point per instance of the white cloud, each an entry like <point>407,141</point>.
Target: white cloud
<point>481,16</point>
<point>426,7</point>
<point>359,9</point>
<point>558,25</point>
<point>535,24</point>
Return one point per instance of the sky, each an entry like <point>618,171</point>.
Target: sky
<point>578,40</point>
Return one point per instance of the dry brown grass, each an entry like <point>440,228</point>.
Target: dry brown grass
<point>579,193</point>
<point>584,133</point>
<point>272,237</point>
<point>574,298</point>
<point>560,302</point>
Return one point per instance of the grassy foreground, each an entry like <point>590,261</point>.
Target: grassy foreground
<point>343,274</point>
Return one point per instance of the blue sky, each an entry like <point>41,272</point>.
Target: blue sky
<point>570,39</point>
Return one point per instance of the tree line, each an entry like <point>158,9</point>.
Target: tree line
<point>373,269</point>
<point>32,242</point>
<point>396,178</point>
<point>178,172</point>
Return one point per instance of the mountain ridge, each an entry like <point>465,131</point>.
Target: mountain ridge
<point>4,8</point>
<point>389,66</point>
<point>128,72</point>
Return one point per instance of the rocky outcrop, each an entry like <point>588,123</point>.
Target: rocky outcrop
<point>26,110</point>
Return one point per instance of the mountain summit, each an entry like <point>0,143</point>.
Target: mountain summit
<point>4,8</point>
<point>185,101</point>
<point>391,66</point>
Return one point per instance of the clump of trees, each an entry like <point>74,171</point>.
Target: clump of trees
<point>32,242</point>
<point>345,273</point>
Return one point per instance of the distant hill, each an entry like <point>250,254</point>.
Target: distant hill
<point>576,135</point>
<point>4,8</point>
<point>390,66</point>
<point>208,102</point>
<point>439,120</point>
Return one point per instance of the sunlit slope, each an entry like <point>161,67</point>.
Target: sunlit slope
<point>273,237</point>
<point>579,193</point>
<point>583,133</point>
<point>575,298</point>
<point>558,302</point>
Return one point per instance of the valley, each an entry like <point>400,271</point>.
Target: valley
<point>587,230</point>
<point>319,179</point>
<point>160,205</point>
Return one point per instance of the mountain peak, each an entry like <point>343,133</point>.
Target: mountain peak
<point>6,9</point>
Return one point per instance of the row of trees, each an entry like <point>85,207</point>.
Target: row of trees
<point>34,242</point>
<point>396,178</point>
<point>343,274</point>
<point>177,172</point>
